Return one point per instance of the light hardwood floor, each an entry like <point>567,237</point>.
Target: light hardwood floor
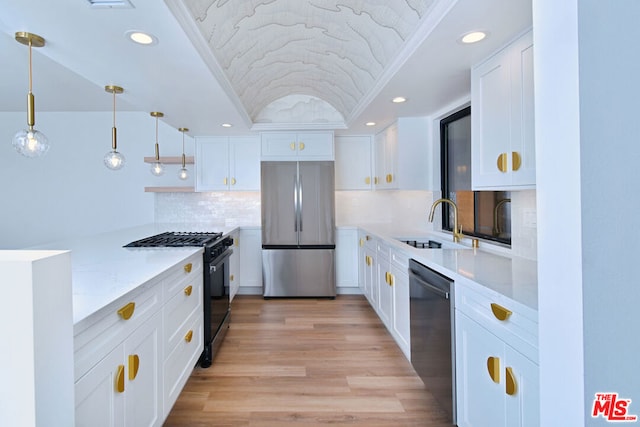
<point>306,362</point>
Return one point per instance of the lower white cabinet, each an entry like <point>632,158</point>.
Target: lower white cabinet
<point>234,266</point>
<point>250,261</point>
<point>346,260</point>
<point>385,286</point>
<point>367,267</point>
<point>496,384</point>
<point>401,302</point>
<point>131,363</point>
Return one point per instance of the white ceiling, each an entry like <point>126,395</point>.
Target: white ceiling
<point>220,61</point>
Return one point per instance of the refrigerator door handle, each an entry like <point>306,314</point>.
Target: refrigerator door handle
<point>300,199</point>
<point>295,203</point>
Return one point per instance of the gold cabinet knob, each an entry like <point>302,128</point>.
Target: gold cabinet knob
<point>233,181</point>
<point>511,386</point>
<point>516,160</point>
<point>292,146</point>
<point>188,290</point>
<point>493,366</point>
<point>225,181</point>
<point>231,277</point>
<point>502,162</point>
<point>188,267</point>
<point>134,364</point>
<point>367,180</point>
<point>127,311</point>
<point>120,379</point>
<point>188,336</point>
<point>361,242</point>
<point>389,178</point>
<point>500,312</point>
<point>368,260</point>
<point>375,180</point>
<point>301,146</point>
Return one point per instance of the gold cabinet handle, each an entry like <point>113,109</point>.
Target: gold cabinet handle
<point>189,336</point>
<point>225,181</point>
<point>502,162</point>
<point>392,279</point>
<point>511,386</point>
<point>231,277</point>
<point>236,241</point>
<point>516,160</point>
<point>120,379</point>
<point>292,146</point>
<point>368,260</point>
<point>134,364</point>
<point>361,242</point>
<point>188,267</point>
<point>127,311</point>
<point>188,290</point>
<point>367,180</point>
<point>375,180</point>
<point>367,237</point>
<point>493,366</point>
<point>389,178</point>
<point>500,312</point>
<point>233,181</point>
<point>301,146</point>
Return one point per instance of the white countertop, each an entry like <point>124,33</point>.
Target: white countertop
<point>103,271</point>
<point>514,277</point>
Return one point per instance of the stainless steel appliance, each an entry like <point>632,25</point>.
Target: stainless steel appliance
<point>432,339</point>
<point>216,305</point>
<point>298,229</point>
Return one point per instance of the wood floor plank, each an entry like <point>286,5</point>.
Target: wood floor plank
<point>306,362</point>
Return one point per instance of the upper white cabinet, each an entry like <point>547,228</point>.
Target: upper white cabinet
<point>297,145</point>
<point>228,163</point>
<point>404,155</point>
<point>353,163</point>
<point>502,119</point>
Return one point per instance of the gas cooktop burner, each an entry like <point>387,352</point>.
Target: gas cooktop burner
<point>176,239</point>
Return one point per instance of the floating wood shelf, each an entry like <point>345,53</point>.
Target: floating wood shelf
<point>170,160</point>
<point>169,189</point>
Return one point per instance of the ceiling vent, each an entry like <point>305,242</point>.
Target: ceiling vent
<point>110,4</point>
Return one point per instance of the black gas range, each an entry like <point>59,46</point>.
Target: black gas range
<point>217,250</point>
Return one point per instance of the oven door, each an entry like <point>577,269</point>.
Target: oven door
<point>216,305</point>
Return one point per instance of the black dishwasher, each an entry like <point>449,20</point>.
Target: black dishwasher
<point>432,343</point>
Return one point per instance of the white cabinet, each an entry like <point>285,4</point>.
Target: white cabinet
<point>346,260</point>
<point>497,381</point>
<point>367,266</point>
<point>132,362</point>
<point>228,163</point>
<point>404,155</point>
<point>234,265</point>
<point>502,119</point>
<point>353,162</point>
<point>384,284</point>
<point>297,145</point>
<point>250,261</point>
<point>399,266</point>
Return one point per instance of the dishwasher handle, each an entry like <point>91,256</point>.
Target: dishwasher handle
<point>428,286</point>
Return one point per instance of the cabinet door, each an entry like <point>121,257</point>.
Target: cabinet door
<point>391,157</point>
<point>371,277</point>
<point>279,146</point>
<point>379,144</point>
<point>480,400</point>
<point>490,121</point>
<point>353,162</point>
<point>385,292</point>
<point>98,402</point>
<point>143,404</point>
<point>212,164</point>
<point>244,163</point>
<point>251,259</point>
<point>523,401</point>
<point>346,258</point>
<point>401,328</point>
<point>315,146</point>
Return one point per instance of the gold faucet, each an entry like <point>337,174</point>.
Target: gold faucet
<point>496,226</point>
<point>457,234</point>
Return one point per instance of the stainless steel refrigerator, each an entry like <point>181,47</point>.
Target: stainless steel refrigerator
<point>298,229</point>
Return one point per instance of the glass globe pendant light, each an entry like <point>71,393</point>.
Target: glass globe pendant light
<point>113,159</point>
<point>30,142</point>
<point>183,173</point>
<point>157,168</point>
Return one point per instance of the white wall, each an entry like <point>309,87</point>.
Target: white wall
<point>69,192</point>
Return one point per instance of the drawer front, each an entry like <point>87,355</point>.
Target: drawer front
<point>400,260</point>
<point>190,269</point>
<point>519,328</point>
<point>179,309</point>
<point>119,319</point>
<point>180,360</point>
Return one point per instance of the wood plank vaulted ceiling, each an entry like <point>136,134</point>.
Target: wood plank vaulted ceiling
<point>328,51</point>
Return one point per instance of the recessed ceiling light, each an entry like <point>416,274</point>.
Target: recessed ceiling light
<point>370,124</point>
<point>226,125</point>
<point>473,37</point>
<point>141,37</point>
<point>398,99</point>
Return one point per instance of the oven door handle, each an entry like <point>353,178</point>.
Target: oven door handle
<point>219,260</point>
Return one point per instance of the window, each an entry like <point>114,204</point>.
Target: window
<point>482,214</point>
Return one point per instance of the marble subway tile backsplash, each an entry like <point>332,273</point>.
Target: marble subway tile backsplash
<point>224,208</point>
